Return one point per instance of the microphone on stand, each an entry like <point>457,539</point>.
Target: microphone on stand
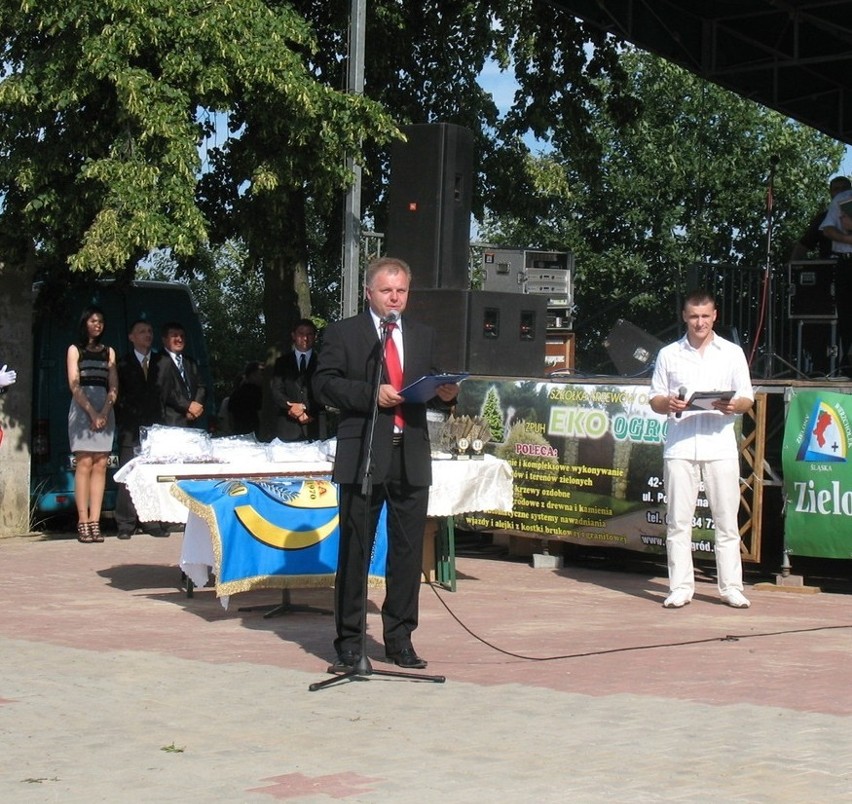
<point>391,318</point>
<point>681,394</point>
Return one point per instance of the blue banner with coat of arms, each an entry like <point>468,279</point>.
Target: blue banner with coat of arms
<point>817,474</point>
<point>275,533</point>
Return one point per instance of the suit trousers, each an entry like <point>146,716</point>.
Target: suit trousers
<point>722,488</point>
<point>407,507</point>
<point>125,511</point>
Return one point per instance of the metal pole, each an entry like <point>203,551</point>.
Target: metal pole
<point>351,290</point>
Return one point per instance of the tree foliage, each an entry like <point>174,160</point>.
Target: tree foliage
<point>684,182</point>
<point>104,104</point>
<point>229,300</point>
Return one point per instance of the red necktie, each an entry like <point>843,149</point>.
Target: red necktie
<point>394,371</point>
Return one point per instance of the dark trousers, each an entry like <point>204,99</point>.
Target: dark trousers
<point>406,522</point>
<point>125,511</point>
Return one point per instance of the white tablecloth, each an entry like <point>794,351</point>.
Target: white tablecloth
<point>150,484</point>
<point>458,487</point>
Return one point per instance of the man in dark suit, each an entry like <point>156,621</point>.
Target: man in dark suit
<point>138,405</point>
<point>299,414</point>
<point>401,468</point>
<point>182,389</point>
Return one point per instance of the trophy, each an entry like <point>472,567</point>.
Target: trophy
<point>462,434</point>
<point>479,436</point>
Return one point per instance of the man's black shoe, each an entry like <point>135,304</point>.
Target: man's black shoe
<point>346,661</point>
<point>407,658</point>
<point>125,534</point>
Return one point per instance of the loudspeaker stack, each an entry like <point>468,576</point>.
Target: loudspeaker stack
<point>429,204</point>
<point>485,332</point>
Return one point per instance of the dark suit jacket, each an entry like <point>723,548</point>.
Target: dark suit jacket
<point>244,407</point>
<point>138,404</point>
<point>176,395</point>
<point>290,385</point>
<point>344,379</point>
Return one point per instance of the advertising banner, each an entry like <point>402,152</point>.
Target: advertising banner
<point>587,462</point>
<point>817,476</point>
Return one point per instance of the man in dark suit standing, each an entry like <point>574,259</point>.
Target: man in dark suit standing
<point>182,389</point>
<point>138,405</point>
<point>401,468</point>
<point>299,414</point>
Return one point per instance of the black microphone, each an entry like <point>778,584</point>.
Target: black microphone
<point>391,318</point>
<point>681,394</point>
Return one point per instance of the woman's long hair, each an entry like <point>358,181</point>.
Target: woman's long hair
<point>82,331</point>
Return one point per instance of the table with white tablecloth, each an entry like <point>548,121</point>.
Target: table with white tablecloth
<point>150,483</point>
<point>458,487</point>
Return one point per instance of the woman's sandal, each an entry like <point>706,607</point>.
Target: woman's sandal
<point>84,532</point>
<point>95,531</point>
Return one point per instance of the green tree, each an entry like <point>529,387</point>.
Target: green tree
<point>229,301</point>
<point>684,182</point>
<point>492,412</point>
<point>422,64</point>
<point>104,104</point>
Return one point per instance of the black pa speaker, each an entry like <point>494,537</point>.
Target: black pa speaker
<point>631,349</point>
<point>485,332</point>
<point>811,289</point>
<point>429,204</point>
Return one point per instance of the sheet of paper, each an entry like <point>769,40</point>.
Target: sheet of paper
<point>703,400</point>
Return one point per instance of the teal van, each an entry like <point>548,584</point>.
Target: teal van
<point>57,311</point>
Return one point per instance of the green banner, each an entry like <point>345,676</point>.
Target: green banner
<point>587,462</point>
<point>817,476</point>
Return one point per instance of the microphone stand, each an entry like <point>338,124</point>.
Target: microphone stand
<point>362,669</point>
<point>767,291</point>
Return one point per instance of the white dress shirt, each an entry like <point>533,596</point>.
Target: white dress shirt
<point>702,435</point>
<point>396,334</point>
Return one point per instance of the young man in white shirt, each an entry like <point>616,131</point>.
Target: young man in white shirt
<point>701,446</point>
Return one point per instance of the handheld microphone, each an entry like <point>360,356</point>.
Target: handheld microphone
<point>681,394</point>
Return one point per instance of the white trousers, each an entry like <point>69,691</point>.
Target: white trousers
<point>722,489</point>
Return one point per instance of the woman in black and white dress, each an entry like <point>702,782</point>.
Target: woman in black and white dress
<point>93,380</point>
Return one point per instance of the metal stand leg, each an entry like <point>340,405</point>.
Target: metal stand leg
<point>445,554</point>
<point>832,352</point>
<point>284,607</point>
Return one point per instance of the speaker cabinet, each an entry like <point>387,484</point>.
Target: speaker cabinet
<point>631,349</point>
<point>811,289</point>
<point>485,332</point>
<point>429,204</point>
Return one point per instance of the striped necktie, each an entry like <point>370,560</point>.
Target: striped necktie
<point>179,361</point>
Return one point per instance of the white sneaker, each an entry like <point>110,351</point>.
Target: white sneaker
<point>736,599</point>
<point>677,599</point>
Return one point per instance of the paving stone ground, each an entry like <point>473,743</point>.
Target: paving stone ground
<point>568,685</point>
